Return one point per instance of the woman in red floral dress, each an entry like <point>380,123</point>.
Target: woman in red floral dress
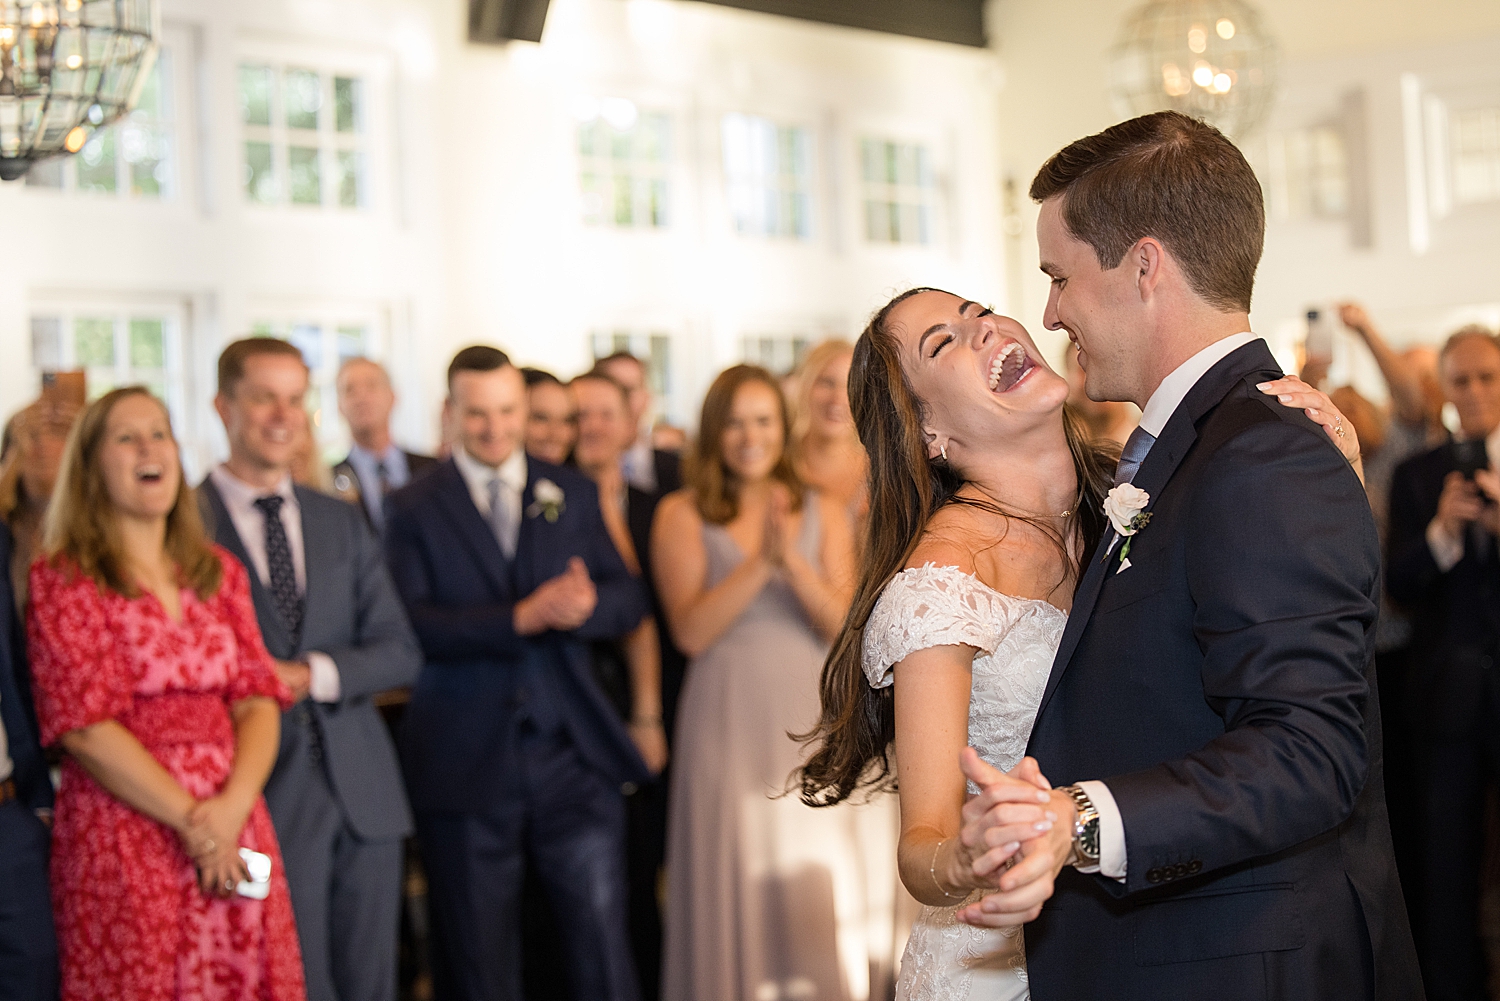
<point>151,674</point>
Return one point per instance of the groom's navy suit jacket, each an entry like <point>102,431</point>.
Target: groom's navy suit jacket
<point>481,678</point>
<point>1222,687</point>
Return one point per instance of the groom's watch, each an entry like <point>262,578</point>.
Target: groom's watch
<point>1085,830</point>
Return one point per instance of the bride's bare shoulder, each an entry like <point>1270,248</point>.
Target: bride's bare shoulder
<point>944,543</point>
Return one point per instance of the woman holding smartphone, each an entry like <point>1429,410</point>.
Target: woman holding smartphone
<point>151,674</point>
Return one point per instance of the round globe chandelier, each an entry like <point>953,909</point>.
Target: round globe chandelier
<point>67,69</point>
<point>1211,59</point>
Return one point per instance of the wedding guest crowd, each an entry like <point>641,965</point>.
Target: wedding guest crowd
<point>608,645</point>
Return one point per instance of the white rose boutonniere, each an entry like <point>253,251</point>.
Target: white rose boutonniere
<point>548,501</point>
<point>1125,506</point>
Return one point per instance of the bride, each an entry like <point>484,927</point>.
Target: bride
<point>984,497</point>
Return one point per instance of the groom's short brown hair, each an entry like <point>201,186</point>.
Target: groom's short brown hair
<point>1172,177</point>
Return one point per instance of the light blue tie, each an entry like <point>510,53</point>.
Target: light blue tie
<point>1134,453</point>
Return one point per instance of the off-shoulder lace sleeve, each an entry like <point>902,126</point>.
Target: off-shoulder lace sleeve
<point>932,606</point>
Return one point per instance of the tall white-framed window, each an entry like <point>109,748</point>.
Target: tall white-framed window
<point>654,348</point>
<point>1475,140</point>
<point>1308,173</point>
<point>327,336</point>
<point>305,134</point>
<point>624,164</point>
<point>779,354</point>
<point>115,344</point>
<point>140,156</point>
<point>899,191</point>
<point>769,176</point>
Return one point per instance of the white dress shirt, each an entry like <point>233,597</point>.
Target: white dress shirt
<point>366,466</point>
<point>477,477</point>
<point>638,464</point>
<point>1158,410</point>
<point>1448,549</point>
<point>248,520</point>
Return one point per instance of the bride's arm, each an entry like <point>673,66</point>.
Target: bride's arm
<point>937,855</point>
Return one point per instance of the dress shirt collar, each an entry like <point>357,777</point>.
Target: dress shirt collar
<point>477,475</point>
<point>1175,387</point>
<point>240,496</point>
<point>362,458</point>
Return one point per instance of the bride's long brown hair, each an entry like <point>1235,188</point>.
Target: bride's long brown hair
<point>851,743</point>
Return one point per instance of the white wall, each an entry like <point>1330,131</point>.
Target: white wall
<point>474,230</point>
<point>1055,58</point>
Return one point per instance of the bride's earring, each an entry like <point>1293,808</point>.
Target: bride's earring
<point>944,451</point>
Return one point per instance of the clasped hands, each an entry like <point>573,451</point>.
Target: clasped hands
<point>1016,836</point>
<point>210,834</point>
<point>563,603</point>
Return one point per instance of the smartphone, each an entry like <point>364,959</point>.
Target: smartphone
<point>1319,336</point>
<point>258,886</point>
<point>1469,457</point>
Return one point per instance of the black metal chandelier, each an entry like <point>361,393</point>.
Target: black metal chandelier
<point>67,69</point>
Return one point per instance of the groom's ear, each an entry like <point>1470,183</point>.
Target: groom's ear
<point>1146,258</point>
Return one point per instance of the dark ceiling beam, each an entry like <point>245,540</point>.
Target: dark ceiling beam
<point>958,21</point>
<point>496,21</point>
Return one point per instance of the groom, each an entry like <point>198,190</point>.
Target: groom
<point>1211,718</point>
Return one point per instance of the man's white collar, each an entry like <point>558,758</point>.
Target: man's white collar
<point>1175,387</point>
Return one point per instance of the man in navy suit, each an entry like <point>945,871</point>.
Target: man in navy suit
<point>28,948</point>
<point>1211,712</point>
<point>512,754</point>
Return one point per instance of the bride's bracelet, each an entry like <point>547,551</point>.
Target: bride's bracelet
<point>932,870</point>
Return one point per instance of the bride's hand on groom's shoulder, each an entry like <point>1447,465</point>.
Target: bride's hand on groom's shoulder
<point>1021,832</point>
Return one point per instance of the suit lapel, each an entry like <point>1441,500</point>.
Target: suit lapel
<point>319,556</point>
<point>529,532</point>
<point>272,631</point>
<point>1161,462</point>
<point>456,502</point>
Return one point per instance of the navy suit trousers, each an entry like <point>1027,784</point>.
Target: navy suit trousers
<point>28,945</point>
<point>570,822</point>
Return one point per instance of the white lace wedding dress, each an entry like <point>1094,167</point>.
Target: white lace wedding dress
<point>1017,639</point>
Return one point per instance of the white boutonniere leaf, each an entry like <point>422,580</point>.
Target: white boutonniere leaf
<point>1125,507</point>
<point>548,500</point>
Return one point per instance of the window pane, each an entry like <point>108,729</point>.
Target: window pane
<point>147,153</point>
<point>46,343</point>
<point>255,95</point>
<point>348,100</point>
<point>351,343</point>
<point>147,347</point>
<point>309,339</point>
<point>96,163</point>
<point>94,341</point>
<point>149,104</point>
<point>46,174</point>
<point>302,165</point>
<point>303,92</point>
<point>260,176</point>
<point>351,179</point>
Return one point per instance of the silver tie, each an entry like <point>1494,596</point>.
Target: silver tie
<point>1134,453</point>
<point>502,519</point>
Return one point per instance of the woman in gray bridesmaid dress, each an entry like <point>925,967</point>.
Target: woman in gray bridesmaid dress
<point>766,898</point>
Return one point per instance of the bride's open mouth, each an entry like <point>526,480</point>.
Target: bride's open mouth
<point>1010,366</point>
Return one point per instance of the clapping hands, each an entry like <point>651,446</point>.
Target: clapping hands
<point>563,603</point>
<point>1017,834</point>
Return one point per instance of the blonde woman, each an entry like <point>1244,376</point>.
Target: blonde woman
<point>151,674</point>
<point>825,448</point>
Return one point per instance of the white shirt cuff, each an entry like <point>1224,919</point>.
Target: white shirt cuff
<point>1446,550</point>
<point>1111,831</point>
<point>324,684</point>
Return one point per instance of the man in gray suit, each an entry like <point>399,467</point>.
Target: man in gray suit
<point>339,633</point>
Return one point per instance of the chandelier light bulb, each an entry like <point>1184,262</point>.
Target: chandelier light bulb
<point>74,61</point>
<point>1203,75</point>
<point>1225,28</point>
<point>1197,39</point>
<point>77,136</point>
